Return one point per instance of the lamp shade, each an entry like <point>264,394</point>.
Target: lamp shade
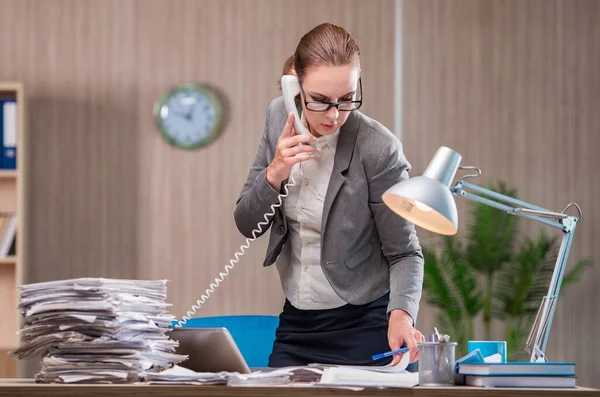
<point>427,200</point>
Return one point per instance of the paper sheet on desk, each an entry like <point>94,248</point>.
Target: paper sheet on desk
<point>494,358</point>
<point>180,375</point>
<point>367,376</point>
<point>285,376</point>
<point>270,377</point>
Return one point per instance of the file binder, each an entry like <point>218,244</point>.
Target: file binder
<point>8,134</point>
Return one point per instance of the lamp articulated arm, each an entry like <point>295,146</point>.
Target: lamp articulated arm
<point>427,201</point>
<point>540,331</point>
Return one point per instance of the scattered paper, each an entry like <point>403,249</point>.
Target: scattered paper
<point>370,376</point>
<point>181,375</point>
<point>389,368</point>
<point>337,376</point>
<point>285,376</point>
<point>494,358</point>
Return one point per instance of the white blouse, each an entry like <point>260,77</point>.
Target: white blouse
<point>299,263</point>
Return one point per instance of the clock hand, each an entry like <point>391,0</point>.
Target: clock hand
<point>186,115</point>
<point>182,114</point>
<point>190,114</point>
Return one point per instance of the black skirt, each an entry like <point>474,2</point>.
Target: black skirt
<point>348,335</point>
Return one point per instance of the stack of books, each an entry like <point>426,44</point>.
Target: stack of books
<point>518,374</point>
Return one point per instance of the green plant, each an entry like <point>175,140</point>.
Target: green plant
<point>493,274</point>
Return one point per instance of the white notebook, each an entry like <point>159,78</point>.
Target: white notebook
<point>521,381</point>
<point>518,368</point>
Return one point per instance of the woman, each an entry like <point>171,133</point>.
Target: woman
<point>350,268</point>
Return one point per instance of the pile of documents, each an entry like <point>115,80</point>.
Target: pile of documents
<point>96,330</point>
<point>370,376</point>
<point>367,376</point>
<point>285,376</point>
<point>183,376</point>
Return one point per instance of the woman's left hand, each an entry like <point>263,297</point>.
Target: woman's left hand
<point>400,331</point>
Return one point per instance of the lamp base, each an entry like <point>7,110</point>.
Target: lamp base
<point>538,356</point>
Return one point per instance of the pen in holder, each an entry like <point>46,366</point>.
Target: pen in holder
<point>437,361</point>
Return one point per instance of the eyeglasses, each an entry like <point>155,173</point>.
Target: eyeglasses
<point>342,106</point>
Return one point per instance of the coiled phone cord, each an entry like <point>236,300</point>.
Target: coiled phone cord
<point>232,262</point>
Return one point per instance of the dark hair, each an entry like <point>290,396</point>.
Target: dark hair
<point>324,45</point>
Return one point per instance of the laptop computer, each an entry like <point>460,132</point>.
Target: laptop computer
<point>209,350</point>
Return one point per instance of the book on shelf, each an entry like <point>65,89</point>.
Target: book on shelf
<point>8,232</point>
<point>8,134</point>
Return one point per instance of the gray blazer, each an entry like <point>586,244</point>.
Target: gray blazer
<point>366,249</point>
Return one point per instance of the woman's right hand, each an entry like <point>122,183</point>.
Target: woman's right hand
<point>289,151</point>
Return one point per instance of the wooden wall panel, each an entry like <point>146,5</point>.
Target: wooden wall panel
<point>186,231</point>
<point>513,86</point>
<point>77,61</point>
<point>108,197</point>
<point>8,366</point>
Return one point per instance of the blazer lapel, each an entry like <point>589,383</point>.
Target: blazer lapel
<point>343,155</point>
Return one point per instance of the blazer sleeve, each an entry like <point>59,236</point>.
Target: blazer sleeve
<point>398,236</point>
<point>257,195</point>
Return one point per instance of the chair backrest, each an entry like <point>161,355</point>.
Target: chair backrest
<point>253,334</point>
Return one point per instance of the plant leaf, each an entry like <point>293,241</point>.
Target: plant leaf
<point>450,283</point>
<point>521,284</point>
<point>575,273</point>
<point>463,276</point>
<point>459,329</point>
<point>491,234</point>
<point>436,287</point>
<point>517,330</point>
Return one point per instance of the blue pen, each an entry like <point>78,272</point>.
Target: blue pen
<point>387,354</point>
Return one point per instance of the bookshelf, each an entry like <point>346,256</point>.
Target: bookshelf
<point>12,193</point>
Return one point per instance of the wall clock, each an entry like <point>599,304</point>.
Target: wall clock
<point>189,115</point>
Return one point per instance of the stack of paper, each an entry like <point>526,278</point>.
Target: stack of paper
<point>181,375</point>
<point>96,330</point>
<point>349,376</point>
<point>370,376</point>
<point>277,377</point>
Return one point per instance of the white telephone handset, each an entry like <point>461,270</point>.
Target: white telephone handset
<point>290,86</point>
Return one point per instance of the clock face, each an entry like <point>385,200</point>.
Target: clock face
<point>189,116</point>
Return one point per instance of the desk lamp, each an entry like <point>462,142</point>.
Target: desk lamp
<point>427,202</point>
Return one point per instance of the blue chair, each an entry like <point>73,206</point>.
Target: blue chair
<point>253,334</point>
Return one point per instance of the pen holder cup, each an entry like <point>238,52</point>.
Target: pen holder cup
<point>436,363</point>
